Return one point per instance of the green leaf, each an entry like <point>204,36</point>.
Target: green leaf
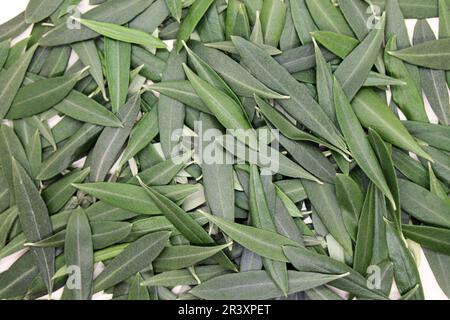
<point>79,253</point>
<point>358,142</point>
<point>308,261</point>
<point>439,264</point>
<point>111,140</point>
<point>323,199</point>
<point>353,71</point>
<point>237,77</point>
<point>435,135</point>
<point>60,192</point>
<point>179,257</point>
<point>37,11</point>
<point>16,280</point>
<point>11,79</point>
<point>433,81</point>
<point>78,106</point>
<point>123,34</point>
<point>257,285</point>
<point>88,54</point>
<point>408,97</point>
<point>303,22</point>
<point>405,270</point>
<point>328,17</point>
<point>72,150</point>
<point>265,243</point>
<point>184,276</point>
<point>436,239</point>
<point>115,11</point>
<point>133,198</point>
<point>171,113</point>
<point>236,21</point>
<point>195,14</point>
<point>431,54</point>
<point>273,13</point>
<point>373,113</point>
<point>34,219</point>
<point>423,205</point>
<point>117,60</point>
<point>301,105</point>
<point>350,199</point>
<point>137,292</point>
<point>136,257</point>
<point>187,226</point>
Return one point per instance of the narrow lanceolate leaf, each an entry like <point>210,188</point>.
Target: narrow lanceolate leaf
<point>323,199</point>
<point>185,277</point>
<point>433,81</point>
<point>88,54</point>
<point>431,54</point>
<point>39,10</point>
<point>350,199</point>
<point>288,129</point>
<point>35,221</point>
<point>133,198</point>
<point>4,51</point>
<point>355,13</point>
<point>237,22</point>
<point>405,270</point>
<point>265,243</point>
<point>171,113</point>
<point>123,34</point>
<point>301,105</point>
<point>71,151</point>
<point>116,12</point>
<point>16,280</point>
<point>408,97</point>
<point>423,205</point>
<point>339,44</point>
<point>358,142</point>
<point>303,22</point>
<point>261,218</point>
<point>238,78</point>
<point>138,292</point>
<point>12,148</point>
<point>60,192</point>
<point>136,257</point>
<point>328,17</point>
<point>384,154</point>
<point>308,261</point>
<point>175,7</point>
<point>187,226</point>
<point>143,133</point>
<point>217,178</point>
<point>324,81</point>
<point>109,144</point>
<point>444,25</point>
<point>374,113</point>
<point>436,239</point>
<point>181,91</point>
<point>11,79</point>
<point>353,71</point>
<point>225,109</point>
<point>42,95</point>
<point>273,14</point>
<point>117,60</point>
<point>79,256</point>
<point>440,164</point>
<point>7,219</point>
<point>396,26</point>
<point>78,106</point>
<point>257,285</point>
<point>196,12</point>
<point>179,257</point>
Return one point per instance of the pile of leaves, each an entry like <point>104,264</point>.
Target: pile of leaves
<point>95,170</point>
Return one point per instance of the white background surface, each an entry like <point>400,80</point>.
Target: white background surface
<point>9,9</point>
